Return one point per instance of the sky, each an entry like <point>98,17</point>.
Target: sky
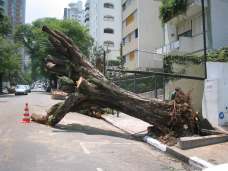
<point>36,9</point>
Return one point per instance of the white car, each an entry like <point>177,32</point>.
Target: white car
<point>21,89</point>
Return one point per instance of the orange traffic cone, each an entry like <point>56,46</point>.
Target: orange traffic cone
<point>26,115</point>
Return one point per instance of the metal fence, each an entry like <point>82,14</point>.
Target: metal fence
<point>150,86</point>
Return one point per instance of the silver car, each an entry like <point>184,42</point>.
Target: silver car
<point>21,89</point>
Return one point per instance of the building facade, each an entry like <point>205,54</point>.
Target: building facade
<point>16,11</point>
<point>141,34</point>
<point>103,18</point>
<point>184,33</point>
<point>3,7</point>
<point>75,12</point>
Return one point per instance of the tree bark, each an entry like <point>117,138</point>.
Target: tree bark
<point>94,91</point>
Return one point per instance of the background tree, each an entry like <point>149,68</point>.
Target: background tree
<point>9,57</point>
<point>39,47</point>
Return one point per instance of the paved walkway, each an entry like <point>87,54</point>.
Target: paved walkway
<point>215,154</point>
<point>127,123</point>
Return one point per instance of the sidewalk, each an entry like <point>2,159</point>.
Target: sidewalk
<point>201,157</point>
<point>127,123</point>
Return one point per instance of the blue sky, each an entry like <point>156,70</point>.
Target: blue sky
<point>45,8</point>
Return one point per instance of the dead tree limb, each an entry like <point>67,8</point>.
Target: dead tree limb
<point>93,89</point>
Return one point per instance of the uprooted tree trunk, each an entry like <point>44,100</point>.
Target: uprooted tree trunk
<point>94,92</point>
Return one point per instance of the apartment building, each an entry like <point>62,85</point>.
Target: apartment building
<point>184,32</point>
<point>103,19</point>
<point>141,34</point>
<point>16,11</point>
<point>3,6</point>
<point>75,12</point>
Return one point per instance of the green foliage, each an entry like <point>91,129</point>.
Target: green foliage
<point>220,55</point>
<point>142,84</point>
<point>114,62</point>
<point>5,26</point>
<point>9,59</point>
<point>172,8</point>
<point>39,46</point>
<point>185,60</point>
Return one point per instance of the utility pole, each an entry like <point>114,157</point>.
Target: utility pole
<point>204,39</point>
<point>104,62</point>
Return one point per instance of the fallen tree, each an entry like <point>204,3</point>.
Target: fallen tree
<point>94,92</point>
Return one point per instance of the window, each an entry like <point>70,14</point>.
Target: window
<point>108,5</point>
<point>108,18</point>
<point>136,33</point>
<point>129,19</point>
<point>124,6</point>
<point>109,43</point>
<point>109,31</point>
<point>185,34</point>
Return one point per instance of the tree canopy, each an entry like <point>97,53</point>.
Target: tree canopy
<point>9,54</point>
<point>5,25</point>
<point>38,45</point>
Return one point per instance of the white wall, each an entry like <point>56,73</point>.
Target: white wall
<point>219,14</point>
<point>150,34</point>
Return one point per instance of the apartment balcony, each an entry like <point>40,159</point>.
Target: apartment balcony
<point>130,46</point>
<point>185,45</point>
<point>130,28</point>
<point>130,8</point>
<point>170,48</point>
<point>193,7</point>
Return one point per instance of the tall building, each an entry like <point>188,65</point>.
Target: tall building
<point>75,12</point>
<point>3,6</point>
<point>103,18</point>
<point>16,11</point>
<point>141,34</point>
<point>184,32</point>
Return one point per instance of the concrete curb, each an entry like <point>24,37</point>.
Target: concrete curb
<point>192,161</point>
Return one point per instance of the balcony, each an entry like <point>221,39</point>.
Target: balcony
<point>130,46</point>
<point>183,11</point>
<point>169,48</point>
<point>194,7</point>
<point>183,46</point>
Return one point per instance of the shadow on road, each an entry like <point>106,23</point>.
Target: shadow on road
<point>41,92</point>
<point>7,95</point>
<point>89,130</point>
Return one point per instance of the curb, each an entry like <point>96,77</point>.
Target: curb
<point>192,161</point>
<point>196,162</point>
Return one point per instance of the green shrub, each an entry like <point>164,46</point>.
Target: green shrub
<point>172,8</point>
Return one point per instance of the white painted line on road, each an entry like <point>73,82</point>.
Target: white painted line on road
<point>86,151</point>
<point>99,169</point>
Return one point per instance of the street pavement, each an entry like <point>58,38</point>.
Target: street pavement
<point>78,143</point>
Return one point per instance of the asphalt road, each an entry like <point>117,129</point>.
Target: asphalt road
<point>78,143</point>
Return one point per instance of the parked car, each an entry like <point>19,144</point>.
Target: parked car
<point>21,89</point>
<point>28,88</point>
